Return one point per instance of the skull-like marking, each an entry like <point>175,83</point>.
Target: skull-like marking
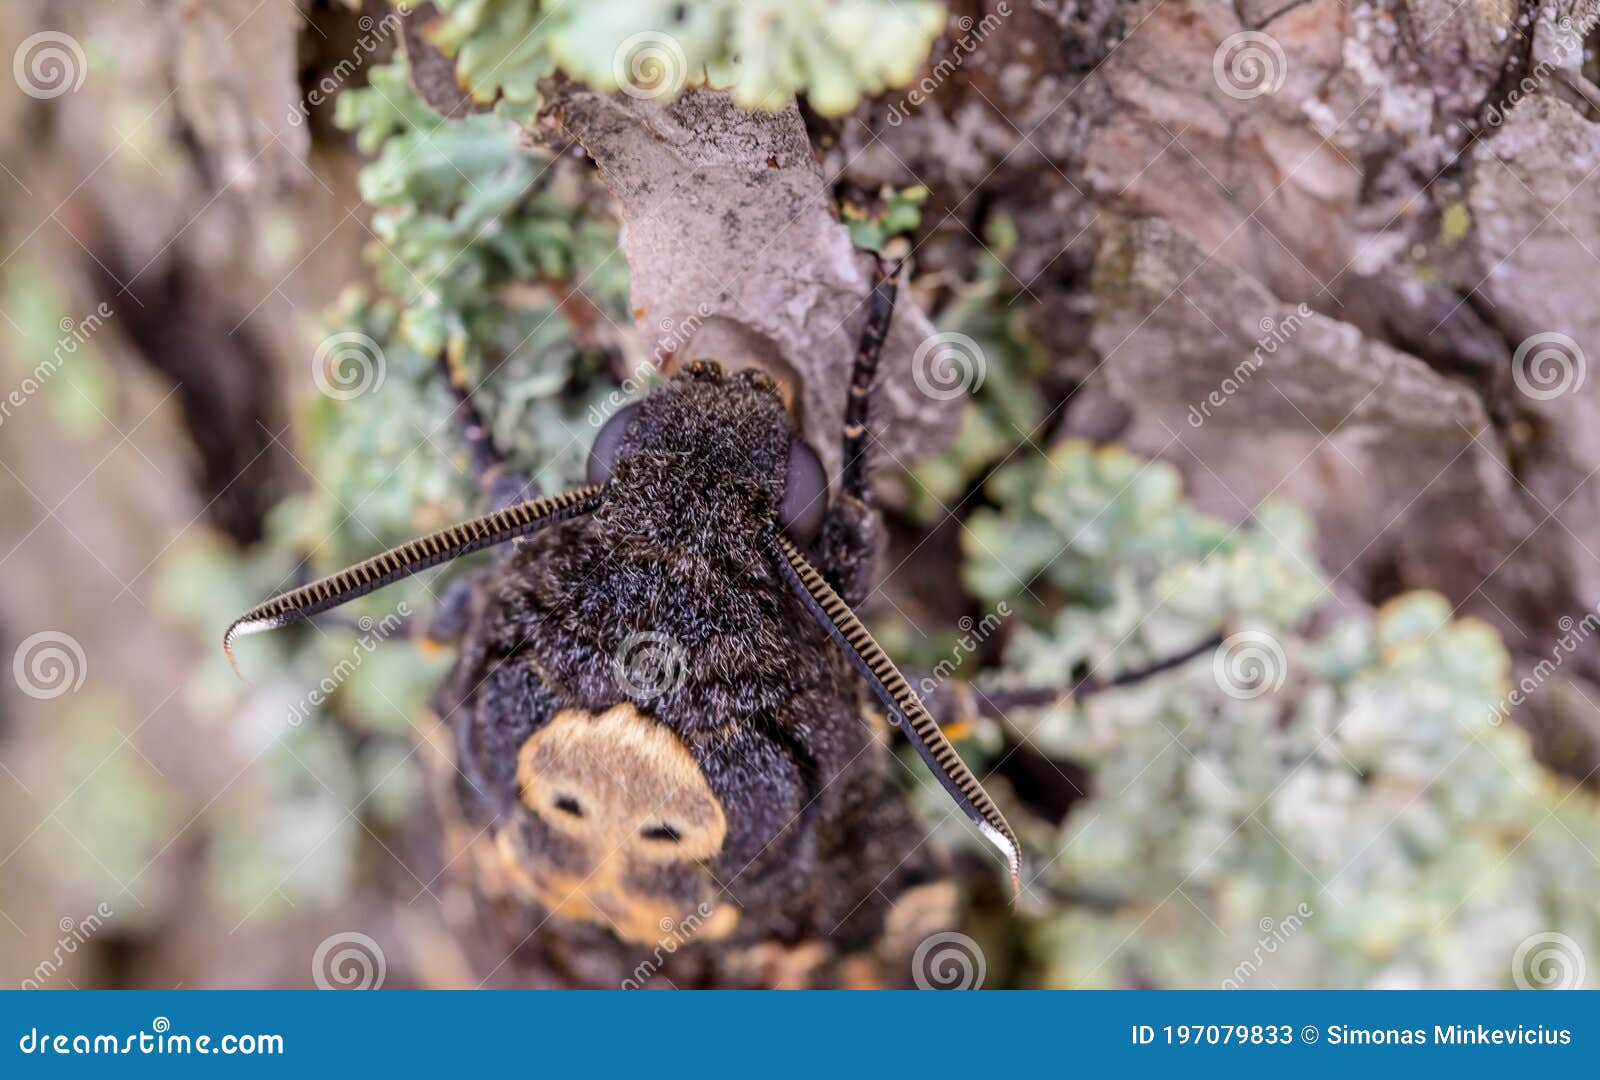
<point>623,821</point>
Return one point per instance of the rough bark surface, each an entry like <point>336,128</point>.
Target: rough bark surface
<point>1421,174</point>
<point>713,201</point>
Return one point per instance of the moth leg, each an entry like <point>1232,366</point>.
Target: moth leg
<point>453,614</point>
<point>402,625</point>
<point>498,485</point>
<point>852,532</point>
<point>847,547</point>
<point>858,406</point>
<point>956,703</point>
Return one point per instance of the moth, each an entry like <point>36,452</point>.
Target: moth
<point>735,771</point>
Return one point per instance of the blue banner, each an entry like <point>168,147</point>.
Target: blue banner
<point>577,1034</point>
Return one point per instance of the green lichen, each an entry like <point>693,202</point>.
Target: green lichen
<point>898,212</point>
<point>1326,801</point>
<point>1004,408</point>
<point>52,353</point>
<point>1454,224</point>
<point>764,51</point>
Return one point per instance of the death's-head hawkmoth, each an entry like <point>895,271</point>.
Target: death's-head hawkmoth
<point>658,710</point>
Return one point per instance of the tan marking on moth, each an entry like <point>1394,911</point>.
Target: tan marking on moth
<point>627,792</point>
<point>781,966</point>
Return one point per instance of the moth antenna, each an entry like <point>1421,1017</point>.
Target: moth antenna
<point>958,701</point>
<point>897,696</point>
<point>407,559</point>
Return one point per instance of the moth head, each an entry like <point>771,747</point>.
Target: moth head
<point>718,431</point>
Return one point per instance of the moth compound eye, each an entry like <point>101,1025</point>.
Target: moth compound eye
<point>805,495</point>
<point>603,454</point>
